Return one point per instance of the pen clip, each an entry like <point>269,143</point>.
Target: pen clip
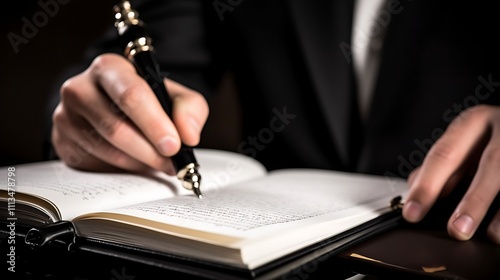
<point>38,237</point>
<point>397,203</point>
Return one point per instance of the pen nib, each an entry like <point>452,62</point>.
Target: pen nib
<point>197,192</point>
<point>191,180</point>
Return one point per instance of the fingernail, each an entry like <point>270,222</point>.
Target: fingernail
<point>464,224</point>
<point>413,211</point>
<point>167,145</point>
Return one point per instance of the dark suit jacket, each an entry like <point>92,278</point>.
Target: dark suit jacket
<point>292,64</point>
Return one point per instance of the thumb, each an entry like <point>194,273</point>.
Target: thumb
<point>189,112</point>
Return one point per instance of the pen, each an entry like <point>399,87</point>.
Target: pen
<point>140,52</point>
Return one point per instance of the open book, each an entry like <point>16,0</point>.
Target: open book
<point>247,218</point>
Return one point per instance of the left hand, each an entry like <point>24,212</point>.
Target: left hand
<point>471,143</point>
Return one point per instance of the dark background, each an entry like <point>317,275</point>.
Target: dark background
<point>30,76</point>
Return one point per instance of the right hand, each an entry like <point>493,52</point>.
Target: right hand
<point>109,118</point>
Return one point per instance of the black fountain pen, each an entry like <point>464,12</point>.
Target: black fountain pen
<point>140,52</point>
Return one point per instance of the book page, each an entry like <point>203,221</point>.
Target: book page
<point>285,198</point>
<point>77,192</point>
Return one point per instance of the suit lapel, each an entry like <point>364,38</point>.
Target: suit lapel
<point>321,28</point>
<point>405,35</point>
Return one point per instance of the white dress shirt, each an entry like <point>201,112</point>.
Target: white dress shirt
<point>366,45</point>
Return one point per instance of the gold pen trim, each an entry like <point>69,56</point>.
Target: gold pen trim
<point>142,44</point>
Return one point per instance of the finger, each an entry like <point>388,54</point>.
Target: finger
<point>444,159</point>
<point>190,112</point>
<point>113,126</point>
<point>466,171</point>
<point>84,148</point>
<point>454,179</point>
<point>494,228</point>
<point>134,97</point>
<point>481,193</point>
<point>413,175</point>
<point>88,162</point>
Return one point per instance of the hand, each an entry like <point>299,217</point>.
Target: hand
<point>471,144</point>
<point>109,118</point>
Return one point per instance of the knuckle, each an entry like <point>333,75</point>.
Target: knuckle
<point>130,97</point>
<point>199,104</point>
<point>423,192</point>
<point>198,98</point>
<point>475,114</point>
<point>84,146</point>
<point>479,112</point>
<point>111,128</point>
<point>480,109</point>
<point>477,200</point>
<point>442,151</point>
<point>71,93</point>
<point>492,155</point>
<point>59,117</point>
<point>102,62</point>
<point>203,104</point>
<point>117,157</point>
